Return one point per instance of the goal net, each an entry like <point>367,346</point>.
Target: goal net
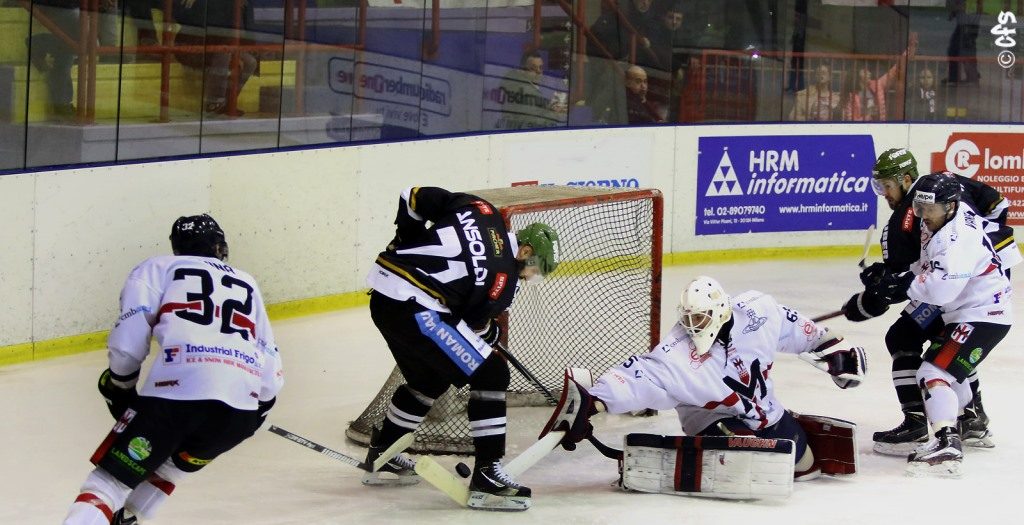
<point>600,306</point>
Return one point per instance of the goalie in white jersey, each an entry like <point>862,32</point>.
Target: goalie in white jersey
<point>714,369</point>
<point>960,272</point>
<point>210,387</point>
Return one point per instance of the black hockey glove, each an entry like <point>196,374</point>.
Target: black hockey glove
<point>118,391</point>
<point>893,286</point>
<point>262,409</point>
<point>865,305</point>
<point>490,333</point>
<point>872,275</point>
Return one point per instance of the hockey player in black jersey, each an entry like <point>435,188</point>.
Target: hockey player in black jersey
<point>437,289</point>
<point>895,176</point>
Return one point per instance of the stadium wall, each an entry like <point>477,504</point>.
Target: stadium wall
<point>307,223</point>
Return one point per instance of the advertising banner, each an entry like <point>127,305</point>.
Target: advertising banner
<point>784,184</point>
<point>997,159</point>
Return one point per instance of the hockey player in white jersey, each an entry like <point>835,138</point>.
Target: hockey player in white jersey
<point>960,272</point>
<point>714,369</point>
<point>215,376</point>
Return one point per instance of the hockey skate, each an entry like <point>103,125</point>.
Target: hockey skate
<point>903,439</point>
<point>124,517</point>
<point>973,427</point>
<point>494,489</point>
<point>398,471</point>
<point>940,457</point>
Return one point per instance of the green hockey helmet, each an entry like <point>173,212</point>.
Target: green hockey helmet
<point>892,164</point>
<point>544,241</point>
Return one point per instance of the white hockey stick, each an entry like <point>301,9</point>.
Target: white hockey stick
<point>438,476</point>
<point>403,443</point>
<point>867,247</point>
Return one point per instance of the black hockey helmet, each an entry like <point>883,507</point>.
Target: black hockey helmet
<point>942,189</point>
<point>198,235</point>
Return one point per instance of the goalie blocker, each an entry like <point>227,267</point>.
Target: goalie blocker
<point>734,467</point>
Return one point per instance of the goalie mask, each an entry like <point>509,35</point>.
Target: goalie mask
<point>544,241</point>
<point>198,235</point>
<point>704,308</point>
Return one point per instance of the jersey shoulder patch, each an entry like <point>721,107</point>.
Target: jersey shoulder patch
<point>907,224</point>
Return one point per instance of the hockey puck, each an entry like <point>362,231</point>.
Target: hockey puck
<point>463,470</point>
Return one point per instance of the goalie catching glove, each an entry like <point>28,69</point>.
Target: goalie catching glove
<point>572,415</point>
<point>847,366</point>
<point>118,391</point>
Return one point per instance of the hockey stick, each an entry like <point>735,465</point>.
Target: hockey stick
<point>862,264</point>
<point>403,443</point>
<point>867,247</point>
<point>830,315</point>
<point>525,372</point>
<point>434,473</point>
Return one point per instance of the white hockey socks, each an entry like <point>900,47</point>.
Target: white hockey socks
<point>151,494</point>
<point>100,496</point>
<point>941,403</point>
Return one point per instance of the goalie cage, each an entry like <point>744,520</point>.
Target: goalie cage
<point>602,304</point>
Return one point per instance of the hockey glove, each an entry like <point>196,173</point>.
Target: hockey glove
<point>847,366</point>
<point>893,286</point>
<point>118,391</point>
<point>262,409</point>
<point>863,306</point>
<point>871,275</point>
<point>490,333</point>
<point>574,409</point>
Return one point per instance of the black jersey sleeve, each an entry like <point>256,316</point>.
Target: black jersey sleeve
<point>983,198</point>
<point>901,237</point>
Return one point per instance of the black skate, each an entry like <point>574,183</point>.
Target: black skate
<point>493,489</point>
<point>973,427</point>
<point>398,471</point>
<point>124,517</point>
<point>903,439</point>
<point>941,456</point>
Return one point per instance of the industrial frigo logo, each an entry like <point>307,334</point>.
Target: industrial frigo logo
<point>777,172</point>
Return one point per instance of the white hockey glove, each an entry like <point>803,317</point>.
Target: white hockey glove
<point>847,366</point>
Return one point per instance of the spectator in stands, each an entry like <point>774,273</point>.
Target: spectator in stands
<point>52,56</point>
<point>963,43</point>
<point>638,109</point>
<point>818,102</point>
<point>525,103</point>
<point>924,102</point>
<point>211,22</point>
<point>863,97</point>
<point>659,59</point>
<point>608,44</point>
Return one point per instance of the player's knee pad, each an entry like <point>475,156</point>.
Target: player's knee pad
<point>492,375</point>
<point>930,376</point>
<point>104,486</point>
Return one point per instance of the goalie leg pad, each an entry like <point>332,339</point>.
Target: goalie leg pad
<point>710,466</point>
<point>833,442</point>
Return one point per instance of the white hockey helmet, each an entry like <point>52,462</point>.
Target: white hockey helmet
<point>703,308</point>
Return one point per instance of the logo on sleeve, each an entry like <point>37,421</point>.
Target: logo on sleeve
<point>500,279</point>
<point>496,241</point>
<point>483,207</point>
<point>908,220</point>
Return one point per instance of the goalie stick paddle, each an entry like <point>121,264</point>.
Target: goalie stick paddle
<point>403,443</point>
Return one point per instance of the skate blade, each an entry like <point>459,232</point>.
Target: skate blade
<point>897,449</point>
<point>985,441</point>
<point>389,479</point>
<point>485,501</point>
<point>946,469</point>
